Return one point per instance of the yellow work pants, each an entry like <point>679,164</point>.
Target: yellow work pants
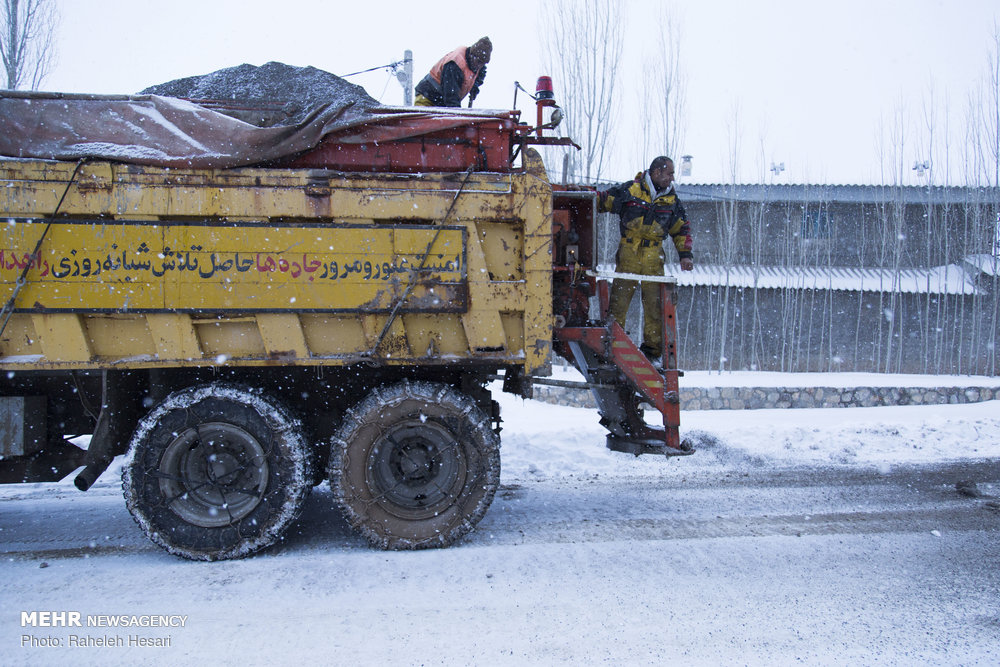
<point>647,260</point>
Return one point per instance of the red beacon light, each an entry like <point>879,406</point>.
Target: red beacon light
<point>544,97</point>
<point>543,89</point>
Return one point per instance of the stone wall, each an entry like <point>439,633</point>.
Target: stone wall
<point>753,398</point>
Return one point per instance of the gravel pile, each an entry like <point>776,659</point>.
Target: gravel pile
<point>279,94</point>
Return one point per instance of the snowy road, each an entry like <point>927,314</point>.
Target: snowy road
<point>820,564</point>
<point>741,554</point>
<point>39,525</point>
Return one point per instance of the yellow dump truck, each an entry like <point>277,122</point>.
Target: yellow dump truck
<point>241,333</point>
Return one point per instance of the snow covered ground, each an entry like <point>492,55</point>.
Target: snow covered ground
<point>818,536</point>
<point>557,441</point>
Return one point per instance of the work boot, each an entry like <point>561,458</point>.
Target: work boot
<point>652,354</point>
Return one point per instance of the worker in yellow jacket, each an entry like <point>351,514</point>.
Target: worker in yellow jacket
<point>459,73</point>
<point>648,211</point>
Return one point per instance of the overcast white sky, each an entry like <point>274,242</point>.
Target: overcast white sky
<point>813,81</point>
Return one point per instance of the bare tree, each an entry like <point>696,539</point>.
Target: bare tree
<point>758,216</point>
<point>981,219</point>
<point>663,96</point>
<point>930,341</point>
<point>583,43</point>
<point>991,114</point>
<point>729,229</point>
<point>988,213</point>
<point>27,41</point>
<point>890,232</point>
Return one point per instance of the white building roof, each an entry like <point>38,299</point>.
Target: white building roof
<point>949,279</point>
<point>854,194</point>
<point>988,264</point>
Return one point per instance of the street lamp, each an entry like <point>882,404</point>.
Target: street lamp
<point>921,167</point>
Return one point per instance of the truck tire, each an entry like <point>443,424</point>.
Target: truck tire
<point>216,472</point>
<point>415,465</point>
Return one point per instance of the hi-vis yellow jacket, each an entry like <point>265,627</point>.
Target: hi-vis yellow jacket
<point>646,218</point>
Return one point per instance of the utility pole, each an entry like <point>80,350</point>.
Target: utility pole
<point>405,77</point>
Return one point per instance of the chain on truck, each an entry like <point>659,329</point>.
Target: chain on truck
<point>242,333</point>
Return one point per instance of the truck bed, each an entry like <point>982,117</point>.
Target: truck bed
<point>144,266</point>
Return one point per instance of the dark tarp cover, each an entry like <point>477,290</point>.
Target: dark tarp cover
<point>292,110</point>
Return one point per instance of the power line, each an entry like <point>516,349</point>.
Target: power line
<point>391,66</point>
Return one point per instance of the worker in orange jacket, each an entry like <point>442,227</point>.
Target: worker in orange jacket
<point>456,75</point>
<point>648,211</point>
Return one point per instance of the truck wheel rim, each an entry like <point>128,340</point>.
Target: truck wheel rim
<point>213,474</point>
<point>417,469</point>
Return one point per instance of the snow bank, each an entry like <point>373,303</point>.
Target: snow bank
<point>542,441</point>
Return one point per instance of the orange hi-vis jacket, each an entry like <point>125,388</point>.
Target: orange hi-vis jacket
<point>458,57</point>
<point>442,88</point>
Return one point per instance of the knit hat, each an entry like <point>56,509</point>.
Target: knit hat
<point>482,50</point>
